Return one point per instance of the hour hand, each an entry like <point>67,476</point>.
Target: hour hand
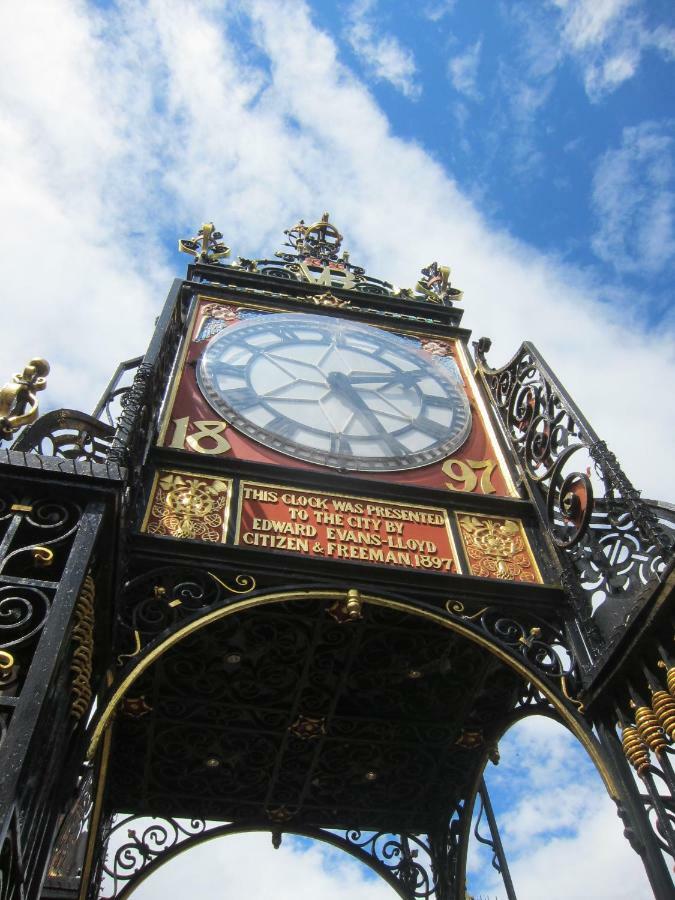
<point>405,379</point>
<point>343,387</point>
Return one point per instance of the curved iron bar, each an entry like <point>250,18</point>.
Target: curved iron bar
<point>67,434</point>
<point>136,424</point>
<point>164,839</point>
<point>148,611</point>
<point>612,540</point>
<point>113,396</point>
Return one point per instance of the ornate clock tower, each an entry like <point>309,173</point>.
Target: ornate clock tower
<point>302,568</point>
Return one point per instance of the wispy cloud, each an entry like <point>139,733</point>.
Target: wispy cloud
<point>608,38</point>
<point>463,70</point>
<point>247,866</point>
<point>555,816</point>
<point>436,10</point>
<point>131,145</point>
<point>382,54</point>
<point>634,200</point>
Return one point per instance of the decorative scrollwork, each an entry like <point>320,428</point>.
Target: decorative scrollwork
<point>613,541</point>
<point>407,857</point>
<point>38,530</point>
<point>23,612</point>
<point>109,407</point>
<point>160,599</point>
<point>67,434</point>
<point>144,844</point>
<point>537,641</point>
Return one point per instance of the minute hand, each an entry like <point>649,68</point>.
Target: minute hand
<point>405,378</point>
<point>342,386</point>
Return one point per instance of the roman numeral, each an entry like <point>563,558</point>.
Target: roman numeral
<point>241,398</point>
<point>218,367</point>
<point>340,444</point>
<point>282,426</point>
<point>428,426</point>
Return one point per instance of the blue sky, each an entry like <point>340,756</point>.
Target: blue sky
<point>556,118</point>
<point>529,145</point>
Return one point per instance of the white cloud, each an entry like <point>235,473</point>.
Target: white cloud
<point>555,816</point>
<point>382,54</point>
<point>247,865</point>
<point>634,200</point>
<point>463,70</point>
<point>117,137</point>
<point>438,9</point>
<point>608,38</point>
<point>147,147</point>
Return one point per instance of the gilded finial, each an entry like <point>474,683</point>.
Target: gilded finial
<point>18,401</point>
<point>435,285</point>
<point>206,246</point>
<point>321,240</point>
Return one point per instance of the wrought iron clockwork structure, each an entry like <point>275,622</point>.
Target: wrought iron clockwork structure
<point>161,688</point>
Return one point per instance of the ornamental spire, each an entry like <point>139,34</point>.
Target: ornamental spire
<point>206,246</point>
<point>321,240</point>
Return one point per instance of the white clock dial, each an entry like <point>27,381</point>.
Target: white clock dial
<point>334,392</point>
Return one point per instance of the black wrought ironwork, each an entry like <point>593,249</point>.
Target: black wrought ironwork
<point>65,866</point>
<point>611,539</point>
<point>46,549</point>
<point>67,434</point>
<point>162,598</point>
<point>410,863</point>
<point>109,407</point>
<point>37,537</point>
<point>138,420</point>
<point>536,641</point>
<point>494,841</point>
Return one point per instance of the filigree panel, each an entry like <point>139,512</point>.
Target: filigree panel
<point>186,505</point>
<point>37,537</point>
<point>497,548</point>
<point>611,541</point>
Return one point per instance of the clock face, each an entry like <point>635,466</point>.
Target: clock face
<point>334,392</point>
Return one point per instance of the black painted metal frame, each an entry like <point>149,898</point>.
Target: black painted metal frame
<point>614,675</point>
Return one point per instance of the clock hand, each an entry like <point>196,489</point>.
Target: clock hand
<point>341,385</point>
<point>407,379</point>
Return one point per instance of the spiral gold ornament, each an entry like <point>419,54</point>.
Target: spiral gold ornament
<point>649,729</point>
<point>83,641</point>
<point>664,708</point>
<point>635,749</point>
<point>670,680</point>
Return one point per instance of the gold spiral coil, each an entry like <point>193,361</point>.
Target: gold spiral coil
<point>670,680</point>
<point>83,652</point>
<point>664,708</point>
<point>649,729</point>
<point>635,749</point>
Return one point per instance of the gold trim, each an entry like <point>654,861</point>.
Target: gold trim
<point>177,375</point>
<point>463,360</point>
<point>490,430</point>
<point>95,815</point>
<point>523,534</point>
<point>383,501</point>
<point>571,721</point>
<point>137,649</point>
<point>188,474</point>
